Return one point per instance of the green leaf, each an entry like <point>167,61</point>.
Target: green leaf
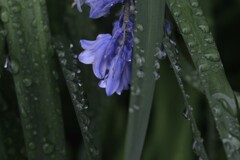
<point>85,115</point>
<point>30,50</point>
<point>149,21</point>
<point>198,141</point>
<point>167,120</point>
<point>196,34</point>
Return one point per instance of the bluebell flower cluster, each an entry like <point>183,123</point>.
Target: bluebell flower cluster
<point>110,54</point>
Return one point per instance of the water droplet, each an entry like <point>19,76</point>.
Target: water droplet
<point>159,53</point>
<point>48,148</point>
<point>186,29</point>
<point>139,27</point>
<point>31,145</point>
<point>204,28</point>
<point>20,40</point>
<point>78,71</point>
<point>228,103</point>
<point>28,126</point>
<point>4,17</point>
<point>209,39</point>
<point>14,67</point>
<point>136,107</point>
<point>203,67</point>
<point>186,114</point>
<point>191,44</point>
<point>140,60</point>
<point>79,106</point>
<point>131,110</point>
<point>156,75</point>
<point>178,68</point>
<point>198,12</point>
<point>64,62</point>
<point>196,146</point>
<point>16,25</point>
<point>85,128</point>
<point>27,82</point>
<point>34,133</point>
<point>16,9</point>
<point>232,144</point>
<point>157,65</point>
<point>35,98</point>
<point>140,74</point>
<point>136,40</point>
<point>61,54</point>
<point>176,13</point>
<point>136,91</point>
<point>194,3</point>
<point>212,57</point>
<point>85,107</point>
<point>22,111</point>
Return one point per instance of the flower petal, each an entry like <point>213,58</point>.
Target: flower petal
<point>79,4</point>
<point>86,44</point>
<point>86,57</point>
<point>114,77</point>
<point>101,8</point>
<point>99,64</point>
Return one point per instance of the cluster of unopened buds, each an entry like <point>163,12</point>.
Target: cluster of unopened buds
<point>110,54</point>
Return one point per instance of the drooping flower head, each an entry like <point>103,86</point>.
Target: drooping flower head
<point>111,55</point>
<point>99,8</point>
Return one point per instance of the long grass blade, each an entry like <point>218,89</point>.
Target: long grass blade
<point>196,33</point>
<point>198,141</point>
<point>30,51</point>
<point>149,21</point>
<point>85,115</point>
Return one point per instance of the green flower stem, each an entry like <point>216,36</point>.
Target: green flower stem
<point>85,115</point>
<point>196,33</point>
<point>30,50</point>
<point>149,20</point>
<point>198,141</point>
